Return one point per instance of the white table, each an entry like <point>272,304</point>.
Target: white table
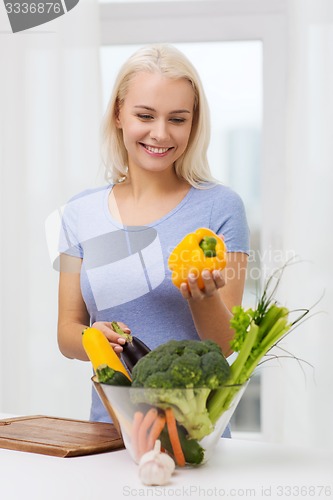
<point>238,469</point>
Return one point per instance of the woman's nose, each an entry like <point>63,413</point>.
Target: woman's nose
<point>160,131</point>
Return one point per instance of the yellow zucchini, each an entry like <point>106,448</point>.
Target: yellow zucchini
<point>100,351</point>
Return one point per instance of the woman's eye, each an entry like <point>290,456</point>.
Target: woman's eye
<point>146,117</point>
<point>143,116</point>
<point>177,120</point>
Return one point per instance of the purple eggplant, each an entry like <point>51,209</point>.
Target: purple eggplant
<point>133,350</point>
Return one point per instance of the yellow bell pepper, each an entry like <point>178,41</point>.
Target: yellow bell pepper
<point>200,250</point>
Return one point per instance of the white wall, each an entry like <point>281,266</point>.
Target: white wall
<point>49,151</point>
<point>50,103</point>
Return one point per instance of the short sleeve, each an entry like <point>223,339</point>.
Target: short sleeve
<point>61,233</point>
<point>228,219</point>
<point>68,239</point>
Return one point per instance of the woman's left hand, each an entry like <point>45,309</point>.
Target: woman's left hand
<point>212,281</point>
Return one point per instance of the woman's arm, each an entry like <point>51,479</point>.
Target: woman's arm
<point>211,307</point>
<point>73,316</point>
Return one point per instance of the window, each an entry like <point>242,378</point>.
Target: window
<point>234,92</point>
<point>238,49</point>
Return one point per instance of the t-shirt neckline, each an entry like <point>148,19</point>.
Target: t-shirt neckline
<point>154,223</point>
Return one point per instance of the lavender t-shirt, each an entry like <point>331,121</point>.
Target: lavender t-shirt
<point>124,274</point>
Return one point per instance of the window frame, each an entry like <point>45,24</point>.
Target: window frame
<point>138,22</point>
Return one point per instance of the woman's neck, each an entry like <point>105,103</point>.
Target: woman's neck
<point>146,185</point>
<point>143,199</point>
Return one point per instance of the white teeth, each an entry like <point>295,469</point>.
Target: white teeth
<point>156,150</point>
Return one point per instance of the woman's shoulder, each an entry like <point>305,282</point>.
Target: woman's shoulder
<point>84,202</point>
<point>227,216</point>
<point>218,193</point>
<point>89,193</point>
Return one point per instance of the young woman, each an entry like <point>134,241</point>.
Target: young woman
<point>116,240</point>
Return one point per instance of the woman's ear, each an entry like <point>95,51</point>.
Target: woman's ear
<point>117,121</point>
<point>117,115</point>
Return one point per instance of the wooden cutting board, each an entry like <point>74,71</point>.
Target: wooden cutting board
<point>60,437</point>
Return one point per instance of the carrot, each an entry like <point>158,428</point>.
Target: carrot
<point>155,431</point>
<point>174,438</point>
<point>137,420</point>
<point>146,423</point>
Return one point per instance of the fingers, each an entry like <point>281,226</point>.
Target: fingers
<point>114,338</point>
<point>219,279</point>
<point>212,282</point>
<point>193,287</point>
<point>124,327</point>
<point>120,340</point>
<point>184,290</point>
<point>117,348</point>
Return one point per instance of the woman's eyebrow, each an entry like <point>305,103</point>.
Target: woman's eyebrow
<point>148,108</point>
<point>180,111</point>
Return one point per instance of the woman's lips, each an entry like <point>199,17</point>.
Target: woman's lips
<point>155,151</point>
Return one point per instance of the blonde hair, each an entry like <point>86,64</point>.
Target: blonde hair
<point>192,166</point>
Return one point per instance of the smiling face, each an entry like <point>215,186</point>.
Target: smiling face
<point>156,119</point>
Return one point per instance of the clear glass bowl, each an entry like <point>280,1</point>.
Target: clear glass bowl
<point>198,435</point>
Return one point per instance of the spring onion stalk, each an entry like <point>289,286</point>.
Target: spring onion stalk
<point>256,332</point>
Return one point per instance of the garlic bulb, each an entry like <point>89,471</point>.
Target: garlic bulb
<point>155,467</point>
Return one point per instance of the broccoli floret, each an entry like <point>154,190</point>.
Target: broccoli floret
<point>185,370</point>
<point>197,366</point>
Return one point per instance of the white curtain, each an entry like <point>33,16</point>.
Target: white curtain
<point>51,108</point>
<point>298,401</point>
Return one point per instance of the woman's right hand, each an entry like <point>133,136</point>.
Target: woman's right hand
<point>116,340</point>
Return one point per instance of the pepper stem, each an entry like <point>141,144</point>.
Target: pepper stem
<point>121,332</point>
<point>208,246</point>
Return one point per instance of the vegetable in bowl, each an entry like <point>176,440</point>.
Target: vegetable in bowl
<point>184,392</point>
<point>197,366</point>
